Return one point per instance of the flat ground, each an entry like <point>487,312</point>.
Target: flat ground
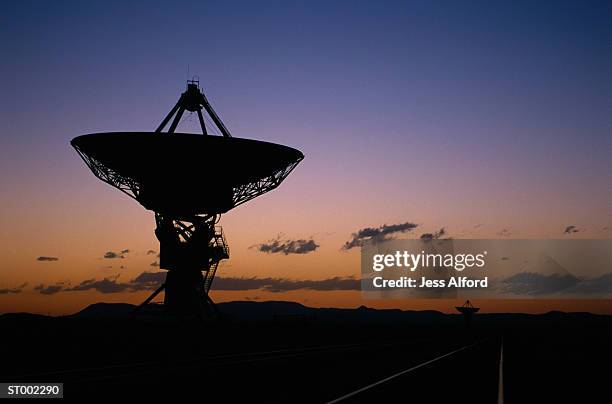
<point>557,360</point>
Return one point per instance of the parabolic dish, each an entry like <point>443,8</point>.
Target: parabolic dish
<point>183,174</point>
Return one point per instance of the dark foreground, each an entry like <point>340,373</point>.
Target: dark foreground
<point>281,352</point>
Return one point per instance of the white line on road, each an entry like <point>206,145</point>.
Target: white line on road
<point>500,387</point>
<point>403,372</point>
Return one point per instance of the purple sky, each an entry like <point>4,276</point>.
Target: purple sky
<point>442,113</point>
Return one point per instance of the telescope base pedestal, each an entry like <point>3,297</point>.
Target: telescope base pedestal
<point>185,294</point>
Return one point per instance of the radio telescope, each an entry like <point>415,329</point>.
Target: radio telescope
<point>467,310</point>
<point>188,180</point>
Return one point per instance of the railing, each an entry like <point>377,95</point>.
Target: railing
<point>220,241</point>
<point>220,252</point>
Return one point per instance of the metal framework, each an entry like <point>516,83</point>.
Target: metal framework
<point>241,193</point>
<point>190,276</point>
<point>123,183</point>
<point>192,100</point>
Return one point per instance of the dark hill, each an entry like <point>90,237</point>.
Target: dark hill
<point>281,311</point>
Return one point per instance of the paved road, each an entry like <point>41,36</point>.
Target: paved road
<point>536,367</point>
<point>315,374</point>
<point>467,374</point>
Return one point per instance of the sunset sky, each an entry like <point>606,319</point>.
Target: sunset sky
<point>489,119</point>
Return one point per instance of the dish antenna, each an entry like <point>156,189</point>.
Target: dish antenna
<point>468,310</point>
<point>188,180</point>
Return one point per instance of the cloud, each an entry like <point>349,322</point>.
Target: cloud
<point>112,255</point>
<point>49,290</point>
<point>287,247</point>
<point>599,285</point>
<point>18,289</point>
<point>148,281</point>
<point>433,236</point>
<point>153,280</point>
<point>144,281</point>
<point>380,233</point>
<point>570,229</point>
<point>285,285</point>
<point>43,258</point>
<point>106,285</point>
<point>533,283</point>
<point>504,232</point>
<point>7,291</point>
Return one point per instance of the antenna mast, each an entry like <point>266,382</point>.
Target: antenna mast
<point>192,100</point>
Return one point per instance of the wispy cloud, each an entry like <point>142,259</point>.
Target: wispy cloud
<point>152,280</point>
<point>286,246</point>
<point>599,285</point>
<point>113,255</point>
<point>17,289</point>
<point>536,284</point>
<point>49,289</point>
<point>433,236</point>
<point>533,283</point>
<point>44,258</point>
<point>148,281</point>
<point>144,281</point>
<point>570,229</point>
<point>106,285</point>
<point>285,285</point>
<point>380,233</point>
<point>505,232</point>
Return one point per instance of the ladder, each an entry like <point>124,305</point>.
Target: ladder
<point>220,252</point>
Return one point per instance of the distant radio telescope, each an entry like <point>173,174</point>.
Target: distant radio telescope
<point>468,310</point>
